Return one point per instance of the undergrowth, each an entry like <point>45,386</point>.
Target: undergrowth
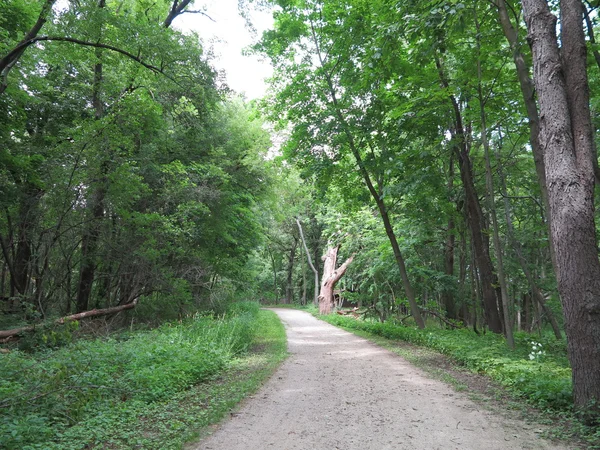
<point>537,371</point>
<point>105,392</point>
<point>544,381</point>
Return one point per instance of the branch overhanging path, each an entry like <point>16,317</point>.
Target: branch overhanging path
<point>337,390</point>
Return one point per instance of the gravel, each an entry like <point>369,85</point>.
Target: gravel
<point>339,391</point>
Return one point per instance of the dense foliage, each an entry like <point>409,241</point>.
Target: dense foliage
<point>407,134</point>
<point>95,390</point>
<point>127,169</point>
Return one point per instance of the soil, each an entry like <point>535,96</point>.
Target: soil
<point>339,391</point>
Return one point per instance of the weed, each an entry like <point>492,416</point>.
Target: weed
<point>127,391</point>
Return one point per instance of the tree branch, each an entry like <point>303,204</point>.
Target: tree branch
<point>78,316</point>
<point>8,62</point>
<point>176,9</point>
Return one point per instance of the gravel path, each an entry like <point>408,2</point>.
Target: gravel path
<point>339,391</point>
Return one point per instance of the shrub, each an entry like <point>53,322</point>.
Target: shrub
<point>45,393</point>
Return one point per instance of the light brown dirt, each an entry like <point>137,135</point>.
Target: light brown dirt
<point>339,391</point>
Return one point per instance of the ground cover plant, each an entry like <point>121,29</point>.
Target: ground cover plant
<point>544,379</point>
<point>537,370</point>
<point>138,389</point>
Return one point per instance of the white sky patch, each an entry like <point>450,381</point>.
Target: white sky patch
<point>229,36</point>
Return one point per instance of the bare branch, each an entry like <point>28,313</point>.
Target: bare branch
<point>200,12</point>
<point>177,8</point>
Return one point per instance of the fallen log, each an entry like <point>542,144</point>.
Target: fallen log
<point>71,318</point>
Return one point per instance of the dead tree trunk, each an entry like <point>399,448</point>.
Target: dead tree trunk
<point>331,276</point>
<point>82,315</point>
<point>312,267</point>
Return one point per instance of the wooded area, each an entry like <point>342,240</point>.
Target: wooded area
<point>446,149</point>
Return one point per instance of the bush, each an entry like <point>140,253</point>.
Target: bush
<point>43,394</point>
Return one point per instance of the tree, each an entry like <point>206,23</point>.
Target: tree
<point>310,263</point>
<point>332,102</point>
<point>331,275</point>
<point>560,76</point>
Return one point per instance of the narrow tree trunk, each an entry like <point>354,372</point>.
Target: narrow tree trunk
<point>474,214</point>
<point>289,286</point>
<point>274,267</point>
<point>312,267</point>
<point>528,92</point>
<point>508,331</point>
<point>92,231</point>
<point>447,294</point>
<point>566,135</point>
<point>516,245</point>
<point>23,254</point>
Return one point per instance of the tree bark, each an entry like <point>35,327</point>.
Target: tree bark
<point>78,316</point>
<point>331,276</point>
<point>566,136</point>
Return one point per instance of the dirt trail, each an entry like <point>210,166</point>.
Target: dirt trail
<point>339,391</point>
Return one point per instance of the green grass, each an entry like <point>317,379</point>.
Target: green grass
<point>154,389</point>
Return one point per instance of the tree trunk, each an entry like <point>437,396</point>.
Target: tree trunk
<point>508,331</point>
<point>312,267</point>
<point>92,231</point>
<point>474,214</point>
<point>289,286</point>
<point>331,276</point>
<point>528,92</point>
<point>566,136</point>
<point>516,245</point>
<point>82,315</point>
<point>447,294</point>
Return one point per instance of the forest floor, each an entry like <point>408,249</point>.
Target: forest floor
<point>340,391</point>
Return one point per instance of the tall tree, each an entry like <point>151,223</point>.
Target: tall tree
<point>560,76</point>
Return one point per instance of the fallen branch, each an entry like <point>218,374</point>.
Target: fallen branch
<point>442,318</point>
<point>82,315</point>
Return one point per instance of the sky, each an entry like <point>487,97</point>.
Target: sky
<point>229,35</point>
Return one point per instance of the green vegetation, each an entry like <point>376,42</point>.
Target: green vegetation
<point>545,380</point>
<point>135,186</point>
<point>542,380</point>
<point>146,389</point>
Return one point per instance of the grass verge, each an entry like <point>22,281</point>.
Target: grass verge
<point>145,390</point>
<point>483,366</point>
